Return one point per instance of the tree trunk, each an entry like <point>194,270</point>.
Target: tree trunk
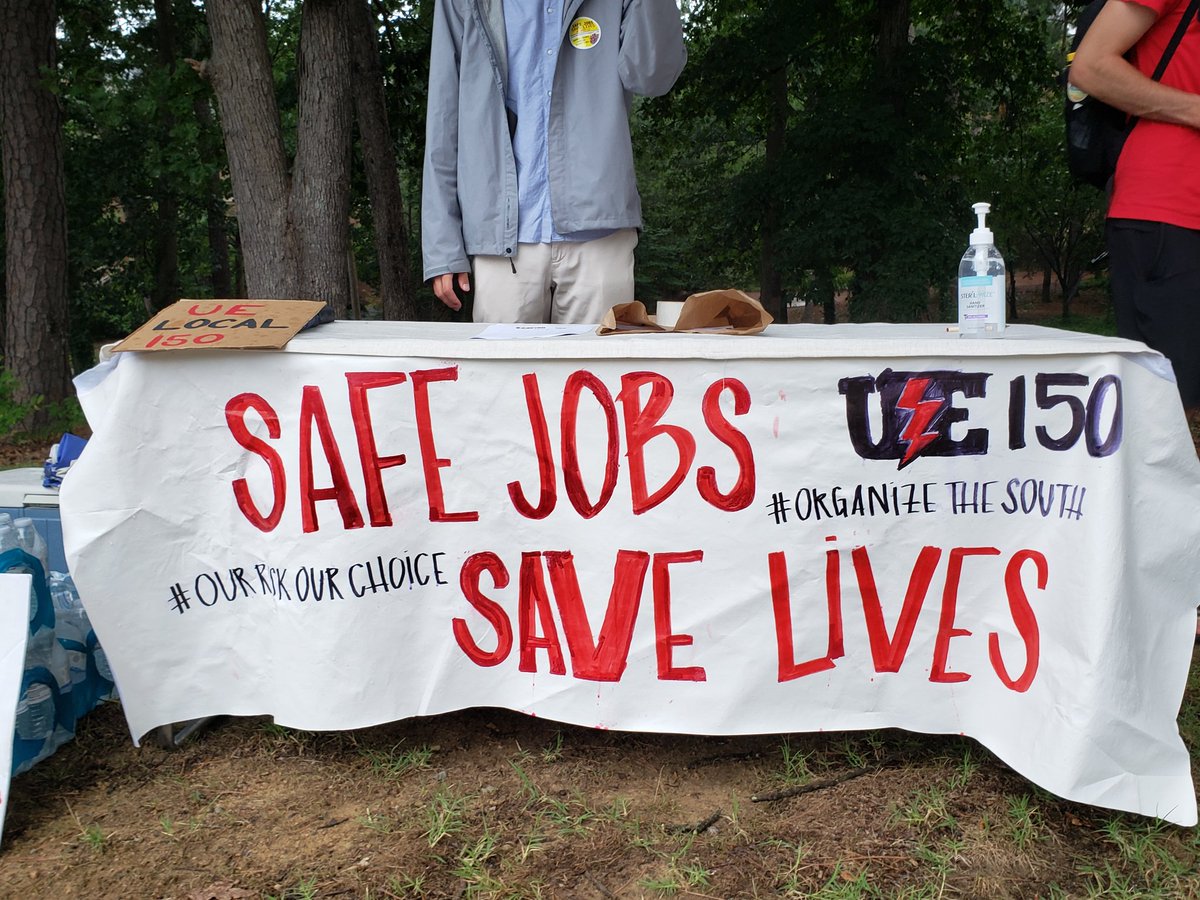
<point>294,231</point>
<point>166,234</point>
<point>770,278</point>
<point>1014,313</point>
<point>894,23</point>
<point>382,169</point>
<point>827,289</point>
<point>220,279</point>
<point>36,345</point>
<point>216,206</point>
<point>321,174</point>
<point>240,72</point>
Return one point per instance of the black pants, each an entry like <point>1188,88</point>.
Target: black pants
<point>1155,283</point>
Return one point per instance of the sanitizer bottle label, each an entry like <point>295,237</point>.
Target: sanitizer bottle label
<point>980,299</point>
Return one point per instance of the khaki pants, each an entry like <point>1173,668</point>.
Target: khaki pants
<point>564,283</point>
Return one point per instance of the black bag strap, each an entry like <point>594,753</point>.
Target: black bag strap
<point>1188,15</point>
<point>1184,22</point>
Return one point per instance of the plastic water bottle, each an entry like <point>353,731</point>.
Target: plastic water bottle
<point>8,534</point>
<point>62,592</point>
<point>35,713</point>
<point>31,541</point>
<point>71,629</point>
<point>102,666</point>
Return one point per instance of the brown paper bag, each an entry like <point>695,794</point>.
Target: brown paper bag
<point>726,311</point>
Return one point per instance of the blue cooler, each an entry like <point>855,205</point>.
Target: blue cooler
<point>22,495</point>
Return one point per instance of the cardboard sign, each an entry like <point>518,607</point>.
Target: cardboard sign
<point>223,325</point>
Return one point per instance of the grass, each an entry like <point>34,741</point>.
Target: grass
<point>792,883</point>
<point>305,889</point>
<point>796,768</point>
<point>173,829</point>
<point>472,865</point>
<point>553,751</point>
<point>377,822</point>
<point>444,816</point>
<point>1024,825</point>
<point>520,837</point>
<point>1155,860</point>
<point>93,837</point>
<point>965,770</point>
<point>1134,856</point>
<point>927,808</point>
<point>680,870</point>
<point>396,763</point>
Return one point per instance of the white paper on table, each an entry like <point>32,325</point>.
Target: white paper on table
<point>519,332</point>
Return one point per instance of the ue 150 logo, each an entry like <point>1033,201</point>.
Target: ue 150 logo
<point>917,412</point>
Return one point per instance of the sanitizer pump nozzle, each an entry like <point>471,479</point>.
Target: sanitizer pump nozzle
<point>981,282</point>
<point>982,234</point>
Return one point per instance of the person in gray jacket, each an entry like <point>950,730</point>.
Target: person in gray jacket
<point>529,176</point>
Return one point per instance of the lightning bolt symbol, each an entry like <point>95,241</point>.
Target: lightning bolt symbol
<point>924,412</point>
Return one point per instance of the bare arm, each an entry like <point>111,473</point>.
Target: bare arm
<point>1100,68</point>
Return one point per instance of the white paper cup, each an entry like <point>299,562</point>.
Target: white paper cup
<point>666,312</point>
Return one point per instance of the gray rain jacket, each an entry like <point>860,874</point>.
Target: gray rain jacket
<point>469,193</point>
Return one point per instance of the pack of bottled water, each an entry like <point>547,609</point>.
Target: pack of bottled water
<point>66,672</point>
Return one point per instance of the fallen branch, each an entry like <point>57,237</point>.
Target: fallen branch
<point>796,790</point>
<point>601,888</point>
<point>698,828</point>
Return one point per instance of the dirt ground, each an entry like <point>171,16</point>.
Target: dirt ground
<point>487,803</point>
<point>490,803</point>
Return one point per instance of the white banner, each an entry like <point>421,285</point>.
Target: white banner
<point>842,528</point>
<point>14,630</point>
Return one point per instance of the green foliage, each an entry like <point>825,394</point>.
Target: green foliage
<point>14,413</point>
<point>809,141</point>
<point>142,149</point>
<point>887,136</point>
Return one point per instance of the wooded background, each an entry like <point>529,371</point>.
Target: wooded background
<point>162,149</point>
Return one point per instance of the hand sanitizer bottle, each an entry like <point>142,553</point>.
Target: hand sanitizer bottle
<point>981,283</point>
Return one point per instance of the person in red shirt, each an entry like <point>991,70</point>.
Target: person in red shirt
<point>1153,227</point>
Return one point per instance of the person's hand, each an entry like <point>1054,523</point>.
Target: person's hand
<point>443,287</point>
